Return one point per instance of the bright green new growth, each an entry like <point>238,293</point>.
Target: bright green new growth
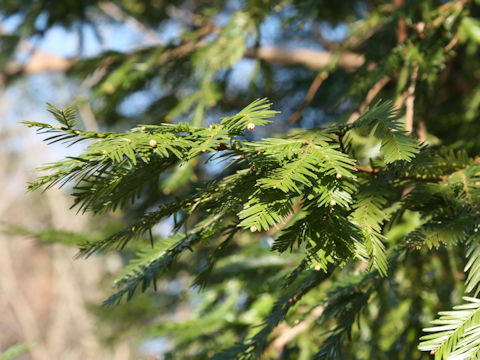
<point>306,169</point>
<point>306,188</point>
<point>456,334</point>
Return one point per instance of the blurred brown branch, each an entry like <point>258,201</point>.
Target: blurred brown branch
<point>319,79</point>
<point>312,59</point>
<point>287,334</point>
<point>41,61</point>
<point>370,96</point>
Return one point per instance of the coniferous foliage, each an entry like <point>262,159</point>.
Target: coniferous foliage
<point>337,210</point>
<point>336,234</point>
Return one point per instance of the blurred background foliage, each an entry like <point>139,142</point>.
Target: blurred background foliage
<point>128,62</point>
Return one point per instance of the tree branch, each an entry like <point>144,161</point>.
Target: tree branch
<point>291,333</point>
<point>367,170</point>
<point>41,62</point>
<point>402,24</point>
<point>410,101</point>
<point>370,96</point>
<point>312,59</point>
<point>418,177</point>
<point>319,79</point>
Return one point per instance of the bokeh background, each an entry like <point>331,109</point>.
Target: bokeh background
<point>44,292</point>
<point>47,298</point>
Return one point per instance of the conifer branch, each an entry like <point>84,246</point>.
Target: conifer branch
<point>372,93</point>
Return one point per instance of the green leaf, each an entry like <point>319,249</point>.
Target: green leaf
<point>470,29</point>
<point>383,120</point>
<point>257,113</point>
<point>473,268</point>
<point>16,350</point>
<point>265,209</point>
<point>369,216</point>
<point>456,333</point>
<point>65,117</point>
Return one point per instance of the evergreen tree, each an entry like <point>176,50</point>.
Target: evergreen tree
<point>332,223</point>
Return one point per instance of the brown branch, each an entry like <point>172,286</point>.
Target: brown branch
<point>367,170</point>
<point>41,62</point>
<point>291,333</point>
<point>418,177</point>
<point>312,59</point>
<point>410,101</point>
<point>319,79</point>
<point>452,43</point>
<point>422,131</point>
<point>401,99</point>
<point>38,63</point>
<point>401,22</point>
<point>368,99</point>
